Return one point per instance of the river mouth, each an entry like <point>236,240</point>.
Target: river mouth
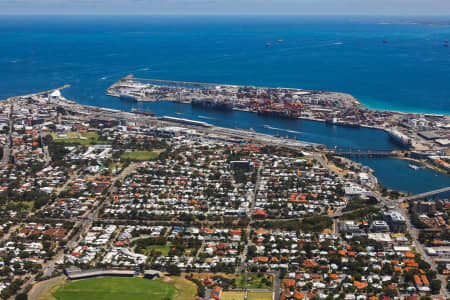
<point>393,173</point>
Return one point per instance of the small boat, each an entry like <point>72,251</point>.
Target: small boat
<point>385,41</point>
<point>414,167</point>
<point>266,126</point>
<point>280,41</point>
<point>268,44</point>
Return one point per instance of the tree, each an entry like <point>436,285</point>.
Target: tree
<point>174,270</point>
<point>435,286</point>
<point>21,297</point>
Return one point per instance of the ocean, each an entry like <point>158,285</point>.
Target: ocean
<point>407,72</point>
<point>385,63</point>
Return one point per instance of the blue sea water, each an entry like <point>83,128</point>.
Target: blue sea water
<point>408,72</point>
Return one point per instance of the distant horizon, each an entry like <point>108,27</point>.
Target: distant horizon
<point>227,7</point>
<point>447,15</point>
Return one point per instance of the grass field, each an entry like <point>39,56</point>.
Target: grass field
<point>116,288</point>
<point>233,296</point>
<point>259,296</point>
<point>139,155</point>
<point>186,290</point>
<point>164,249</point>
<point>89,138</point>
<point>254,282</point>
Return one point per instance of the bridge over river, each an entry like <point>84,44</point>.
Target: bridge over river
<point>364,152</point>
<point>426,194</point>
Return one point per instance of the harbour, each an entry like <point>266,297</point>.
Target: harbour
<point>425,133</point>
<point>392,172</point>
<point>239,56</point>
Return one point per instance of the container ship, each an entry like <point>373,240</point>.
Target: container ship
<point>212,104</point>
<point>287,114</point>
<point>128,97</point>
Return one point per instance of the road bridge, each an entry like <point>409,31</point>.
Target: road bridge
<point>427,194</point>
<point>362,152</point>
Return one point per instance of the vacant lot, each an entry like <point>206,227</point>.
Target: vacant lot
<point>115,288</point>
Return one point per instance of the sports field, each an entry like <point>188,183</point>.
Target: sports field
<point>139,155</point>
<point>89,138</point>
<point>116,288</point>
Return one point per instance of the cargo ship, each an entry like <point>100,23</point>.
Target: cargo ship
<point>128,97</point>
<point>286,114</point>
<point>212,104</point>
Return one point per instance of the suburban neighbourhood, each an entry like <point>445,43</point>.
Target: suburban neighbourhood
<point>89,192</point>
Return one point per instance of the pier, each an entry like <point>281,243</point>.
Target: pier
<point>43,93</point>
<point>131,77</point>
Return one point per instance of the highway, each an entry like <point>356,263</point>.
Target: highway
<point>252,210</point>
<point>7,148</point>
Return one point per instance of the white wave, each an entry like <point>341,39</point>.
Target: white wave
<point>286,130</point>
<point>204,117</point>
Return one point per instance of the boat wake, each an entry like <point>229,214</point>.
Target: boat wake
<point>281,129</point>
<point>288,130</point>
<point>204,117</point>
